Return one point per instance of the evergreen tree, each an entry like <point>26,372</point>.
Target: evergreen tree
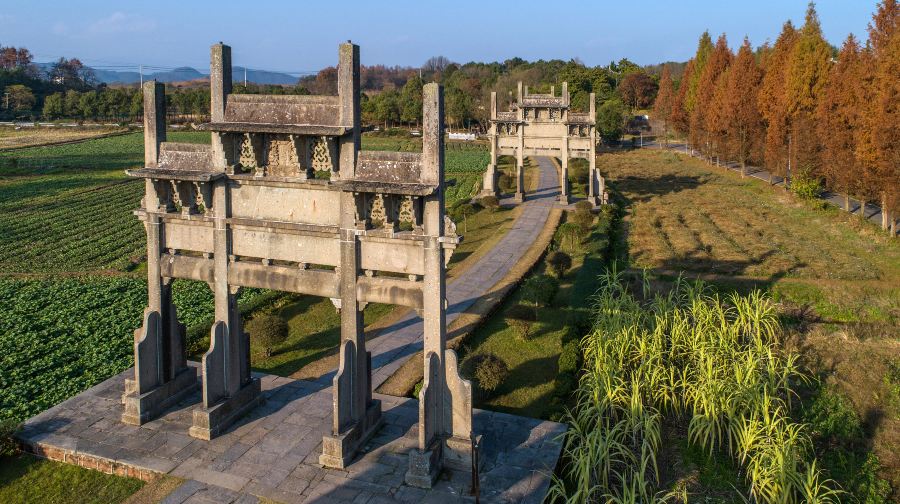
<point>704,49</point>
<point>807,74</point>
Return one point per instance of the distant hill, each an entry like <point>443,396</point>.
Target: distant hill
<point>183,74</point>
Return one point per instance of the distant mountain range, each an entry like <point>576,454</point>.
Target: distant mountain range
<point>183,74</point>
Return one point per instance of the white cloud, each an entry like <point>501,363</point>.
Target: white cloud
<point>121,22</point>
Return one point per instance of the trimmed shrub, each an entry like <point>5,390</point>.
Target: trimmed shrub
<point>268,331</point>
<point>584,207</point>
<point>539,290</point>
<point>521,317</point>
<point>570,357</point>
<point>491,203</point>
<point>490,372</point>
<point>806,186</point>
<point>559,262</point>
<point>569,236</point>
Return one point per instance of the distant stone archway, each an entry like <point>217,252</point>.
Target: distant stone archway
<point>543,125</point>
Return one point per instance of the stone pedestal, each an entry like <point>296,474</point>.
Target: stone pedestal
<point>214,420</point>
<point>141,408</point>
<point>339,450</point>
<point>489,186</point>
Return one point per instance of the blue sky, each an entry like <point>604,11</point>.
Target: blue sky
<point>300,35</point>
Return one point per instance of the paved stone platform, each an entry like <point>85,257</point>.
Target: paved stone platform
<point>273,452</point>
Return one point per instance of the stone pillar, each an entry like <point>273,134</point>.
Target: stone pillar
<point>520,164</point>
<point>356,416</point>
<point>154,121</point>
<point>489,185</point>
<point>564,169</point>
<point>348,93</point>
<point>161,375</point>
<point>520,146</point>
<point>228,389</point>
<point>595,181</point>
<point>219,89</point>
<point>445,401</point>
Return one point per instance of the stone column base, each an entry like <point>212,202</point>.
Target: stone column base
<point>424,466</point>
<point>519,197</point>
<point>453,453</point>
<point>212,421</point>
<point>564,199</point>
<point>140,409</point>
<point>338,451</point>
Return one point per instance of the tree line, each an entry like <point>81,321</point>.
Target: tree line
<point>391,96</point>
<point>817,116</point>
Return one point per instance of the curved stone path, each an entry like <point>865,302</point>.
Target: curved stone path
<point>404,338</point>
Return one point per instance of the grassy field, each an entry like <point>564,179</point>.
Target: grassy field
<point>536,385</point>
<point>11,138</point>
<point>836,278</point>
<point>25,479</point>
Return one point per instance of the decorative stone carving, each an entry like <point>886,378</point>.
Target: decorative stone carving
<point>322,158</point>
<point>249,157</point>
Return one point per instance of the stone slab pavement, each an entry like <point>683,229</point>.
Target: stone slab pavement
<point>273,452</point>
<point>404,338</point>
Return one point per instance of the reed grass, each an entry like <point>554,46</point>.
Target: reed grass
<point>716,362</point>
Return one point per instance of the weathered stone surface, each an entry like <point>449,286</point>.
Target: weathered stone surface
<point>244,461</point>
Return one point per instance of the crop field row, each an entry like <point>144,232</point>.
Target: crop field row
<point>686,217</point>
<point>78,231</point>
<point>65,208</point>
<point>59,337</point>
<point>11,138</point>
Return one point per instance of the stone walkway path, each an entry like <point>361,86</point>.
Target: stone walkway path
<point>404,338</point>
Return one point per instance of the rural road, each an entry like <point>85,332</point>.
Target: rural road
<point>404,338</point>
<point>872,213</point>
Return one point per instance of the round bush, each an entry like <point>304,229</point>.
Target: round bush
<point>539,290</point>
<point>490,372</point>
<point>558,261</point>
<point>521,317</point>
<point>490,202</point>
<point>268,331</point>
<point>584,206</point>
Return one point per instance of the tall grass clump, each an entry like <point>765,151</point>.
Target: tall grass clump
<point>713,363</point>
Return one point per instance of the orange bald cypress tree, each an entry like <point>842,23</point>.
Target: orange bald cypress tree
<point>807,74</point>
<point>680,117</point>
<point>742,116</point>
<point>716,118</point>
<point>838,115</point>
<point>772,101</point>
<point>884,118</point>
<point>701,122</point>
<point>664,101</point>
